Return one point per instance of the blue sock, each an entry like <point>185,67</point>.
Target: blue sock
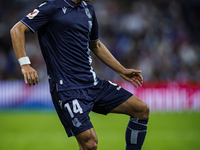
<point>135,133</point>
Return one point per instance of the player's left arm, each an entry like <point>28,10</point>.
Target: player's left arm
<point>131,75</point>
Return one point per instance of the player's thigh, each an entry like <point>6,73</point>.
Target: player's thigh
<point>87,139</point>
<point>133,107</point>
<point>73,112</point>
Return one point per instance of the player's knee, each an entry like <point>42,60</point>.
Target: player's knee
<point>143,113</point>
<point>93,146</point>
<point>90,145</point>
<point>87,140</point>
<point>147,110</point>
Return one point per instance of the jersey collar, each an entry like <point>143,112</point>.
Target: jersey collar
<point>68,3</point>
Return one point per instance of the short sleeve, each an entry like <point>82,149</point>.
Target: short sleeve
<point>94,32</point>
<point>39,17</point>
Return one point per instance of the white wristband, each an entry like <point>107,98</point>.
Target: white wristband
<point>24,61</point>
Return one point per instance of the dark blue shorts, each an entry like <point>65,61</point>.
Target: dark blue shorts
<point>73,106</point>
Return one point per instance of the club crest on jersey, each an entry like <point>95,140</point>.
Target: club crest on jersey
<point>88,13</point>
<point>33,14</point>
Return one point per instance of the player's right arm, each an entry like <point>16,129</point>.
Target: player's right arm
<point>18,40</point>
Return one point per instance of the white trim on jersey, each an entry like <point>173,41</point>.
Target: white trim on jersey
<point>28,26</point>
<point>69,4</point>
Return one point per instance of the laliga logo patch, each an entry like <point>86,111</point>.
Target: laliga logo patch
<point>33,14</point>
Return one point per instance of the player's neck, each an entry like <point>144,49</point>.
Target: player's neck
<point>77,1</point>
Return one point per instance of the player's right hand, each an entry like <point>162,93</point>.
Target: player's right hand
<point>30,75</point>
<point>133,76</point>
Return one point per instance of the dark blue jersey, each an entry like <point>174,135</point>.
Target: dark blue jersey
<point>64,31</point>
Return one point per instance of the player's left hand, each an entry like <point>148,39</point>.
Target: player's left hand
<point>133,76</point>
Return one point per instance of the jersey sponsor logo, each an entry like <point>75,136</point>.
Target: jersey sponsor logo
<point>64,9</point>
<point>33,14</point>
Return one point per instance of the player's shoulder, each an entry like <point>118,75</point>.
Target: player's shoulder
<point>46,3</point>
<point>46,6</point>
<point>50,2</point>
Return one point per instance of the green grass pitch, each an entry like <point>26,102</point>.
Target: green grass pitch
<point>43,131</point>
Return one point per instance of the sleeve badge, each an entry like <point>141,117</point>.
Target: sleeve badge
<point>33,14</point>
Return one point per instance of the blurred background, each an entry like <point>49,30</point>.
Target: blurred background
<point>159,37</point>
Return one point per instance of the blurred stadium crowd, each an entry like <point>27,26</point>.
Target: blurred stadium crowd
<point>159,37</point>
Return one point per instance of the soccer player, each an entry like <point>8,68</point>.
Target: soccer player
<point>68,32</point>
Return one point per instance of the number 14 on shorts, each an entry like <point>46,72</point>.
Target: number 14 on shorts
<point>76,108</point>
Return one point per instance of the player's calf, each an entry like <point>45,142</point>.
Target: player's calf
<point>135,133</point>
<point>137,126</point>
<point>136,129</point>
